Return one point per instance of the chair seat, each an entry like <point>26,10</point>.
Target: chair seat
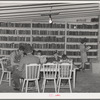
<point>7,71</point>
<point>65,78</point>
<point>31,79</point>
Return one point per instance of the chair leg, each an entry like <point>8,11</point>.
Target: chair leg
<point>57,82</point>
<point>44,84</point>
<point>55,85</point>
<point>9,78</point>
<point>59,85</point>
<point>26,86</point>
<point>1,77</point>
<point>37,85</point>
<point>70,85</point>
<point>23,85</point>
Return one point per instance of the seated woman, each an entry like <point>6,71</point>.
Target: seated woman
<point>55,58</point>
<point>34,52</point>
<point>15,57</point>
<point>65,59</point>
<point>41,57</point>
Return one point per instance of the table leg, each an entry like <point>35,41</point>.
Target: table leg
<point>74,78</point>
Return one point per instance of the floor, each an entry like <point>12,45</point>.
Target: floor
<point>86,82</point>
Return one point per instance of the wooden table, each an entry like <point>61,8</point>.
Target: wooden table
<point>74,76</point>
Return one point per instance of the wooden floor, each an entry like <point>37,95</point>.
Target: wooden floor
<point>86,82</point>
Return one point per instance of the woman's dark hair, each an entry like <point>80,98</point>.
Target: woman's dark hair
<point>34,51</point>
<point>84,40</point>
<point>56,52</point>
<point>39,51</point>
<point>22,48</point>
<point>64,56</point>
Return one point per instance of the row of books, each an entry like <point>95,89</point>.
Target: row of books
<point>78,40</point>
<point>47,52</point>
<point>6,31</point>
<point>11,45</point>
<point>45,32</point>
<point>28,25</point>
<point>12,38</point>
<point>44,46</point>
<point>5,52</point>
<point>92,53</point>
<point>48,46</point>
<point>77,53</point>
<point>48,39</point>
<point>81,33</point>
<point>24,32</point>
<point>8,45</point>
<point>20,32</point>
<point>78,46</point>
<point>44,25</point>
<point>34,25</point>
<point>79,60</point>
<point>7,24</point>
<point>82,26</point>
<point>76,60</point>
<point>94,19</point>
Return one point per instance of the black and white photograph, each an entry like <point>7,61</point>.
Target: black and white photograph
<point>49,49</point>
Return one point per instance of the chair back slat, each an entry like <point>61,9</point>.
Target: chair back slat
<point>50,70</point>
<point>32,71</point>
<point>65,70</point>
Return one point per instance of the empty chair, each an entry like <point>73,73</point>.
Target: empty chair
<point>32,74</point>
<point>5,72</point>
<point>49,73</point>
<point>64,73</point>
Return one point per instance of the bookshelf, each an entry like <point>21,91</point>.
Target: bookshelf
<point>42,36</point>
<point>61,36</point>
<point>12,35</point>
<point>48,38</point>
<point>77,30</point>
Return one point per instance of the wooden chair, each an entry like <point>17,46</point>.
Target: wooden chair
<point>64,73</point>
<point>5,72</point>
<point>49,73</point>
<point>32,74</point>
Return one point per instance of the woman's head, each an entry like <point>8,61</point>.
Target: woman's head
<point>64,56</point>
<point>28,49</point>
<point>55,54</point>
<point>39,52</point>
<point>21,49</point>
<point>84,40</point>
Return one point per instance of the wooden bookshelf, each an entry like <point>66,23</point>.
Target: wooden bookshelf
<point>78,30</point>
<point>63,37</point>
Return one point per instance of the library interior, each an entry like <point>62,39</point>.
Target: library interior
<point>49,47</point>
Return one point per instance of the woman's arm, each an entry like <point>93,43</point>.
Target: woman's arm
<point>88,48</point>
<point>12,57</point>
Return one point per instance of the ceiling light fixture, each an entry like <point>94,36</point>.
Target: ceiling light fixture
<point>50,14</point>
<point>50,19</point>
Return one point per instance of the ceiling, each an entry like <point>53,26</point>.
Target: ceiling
<point>40,11</point>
